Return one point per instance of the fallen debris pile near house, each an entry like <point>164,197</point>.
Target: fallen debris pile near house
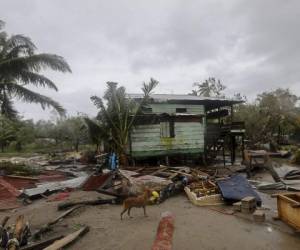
<point>218,188</point>
<point>19,236</point>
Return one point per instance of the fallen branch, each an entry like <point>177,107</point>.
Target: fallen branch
<point>59,244</point>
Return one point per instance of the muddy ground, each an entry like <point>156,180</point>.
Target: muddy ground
<point>195,227</point>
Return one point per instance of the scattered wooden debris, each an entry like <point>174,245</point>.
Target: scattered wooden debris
<point>42,244</point>
<point>204,188</point>
<point>47,227</point>
<point>20,234</point>
<point>248,205</point>
<point>59,244</point>
<point>209,200</point>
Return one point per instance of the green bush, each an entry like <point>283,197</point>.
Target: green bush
<point>296,158</point>
<point>9,168</point>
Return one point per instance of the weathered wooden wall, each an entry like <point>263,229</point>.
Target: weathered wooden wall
<point>159,108</point>
<point>146,140</point>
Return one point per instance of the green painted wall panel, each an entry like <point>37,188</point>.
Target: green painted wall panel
<point>141,154</point>
<point>146,140</point>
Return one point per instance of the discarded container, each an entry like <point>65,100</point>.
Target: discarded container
<point>288,206</point>
<point>209,200</point>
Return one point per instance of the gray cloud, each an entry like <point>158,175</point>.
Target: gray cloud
<point>252,46</point>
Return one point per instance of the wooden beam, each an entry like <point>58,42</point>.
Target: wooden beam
<point>59,244</point>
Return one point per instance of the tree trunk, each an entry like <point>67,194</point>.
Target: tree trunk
<point>77,146</point>
<point>19,146</point>
<point>123,159</point>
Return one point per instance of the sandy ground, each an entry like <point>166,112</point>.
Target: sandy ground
<point>195,227</point>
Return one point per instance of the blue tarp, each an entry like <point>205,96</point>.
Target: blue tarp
<point>236,188</point>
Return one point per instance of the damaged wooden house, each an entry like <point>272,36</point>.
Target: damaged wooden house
<point>185,127</point>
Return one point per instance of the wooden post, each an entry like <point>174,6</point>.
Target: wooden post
<point>167,160</point>
<point>223,151</point>
<point>233,144</point>
<point>243,147</point>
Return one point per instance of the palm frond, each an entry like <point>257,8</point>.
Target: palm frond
<point>96,132</point>
<point>19,43</point>
<point>97,101</point>
<point>34,63</point>
<point>148,87</point>
<point>28,77</point>
<point>29,96</point>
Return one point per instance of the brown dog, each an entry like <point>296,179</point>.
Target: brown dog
<point>139,201</point>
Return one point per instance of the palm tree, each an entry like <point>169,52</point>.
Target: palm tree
<point>204,89</point>
<point>20,67</point>
<point>119,114</point>
<point>209,87</point>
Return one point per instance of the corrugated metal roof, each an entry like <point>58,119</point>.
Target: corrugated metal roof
<point>177,97</point>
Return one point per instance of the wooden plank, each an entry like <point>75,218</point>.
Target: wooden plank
<point>59,244</point>
<point>172,176</point>
<point>159,170</point>
<point>41,244</point>
<point>182,173</point>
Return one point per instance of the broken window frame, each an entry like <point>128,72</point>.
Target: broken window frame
<point>181,110</point>
<point>167,129</point>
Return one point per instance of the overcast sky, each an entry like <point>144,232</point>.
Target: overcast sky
<point>251,46</point>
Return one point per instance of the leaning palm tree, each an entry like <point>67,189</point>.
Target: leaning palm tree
<point>20,67</point>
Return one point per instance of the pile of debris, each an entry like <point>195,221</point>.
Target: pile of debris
<point>25,179</point>
<point>19,235</point>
